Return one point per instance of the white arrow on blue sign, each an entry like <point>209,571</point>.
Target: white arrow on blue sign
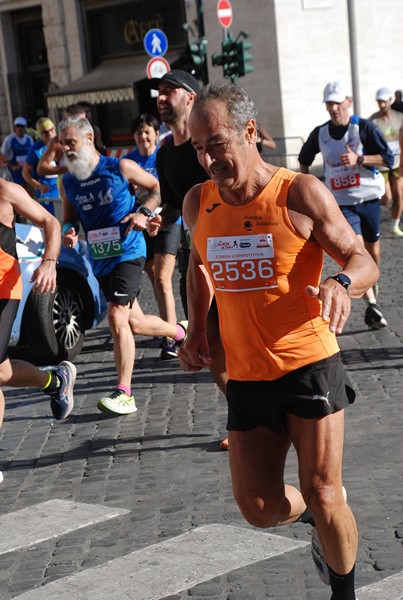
<point>155,42</point>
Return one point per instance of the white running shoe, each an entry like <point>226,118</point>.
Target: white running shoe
<point>396,231</point>
<point>118,403</point>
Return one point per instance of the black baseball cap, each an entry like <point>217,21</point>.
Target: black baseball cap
<point>178,78</point>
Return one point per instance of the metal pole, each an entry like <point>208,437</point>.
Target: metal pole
<point>202,37</point>
<point>354,56</point>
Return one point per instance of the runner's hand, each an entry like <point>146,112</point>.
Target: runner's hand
<point>349,157</point>
<point>336,303</point>
<point>194,354</point>
<point>70,238</point>
<point>154,225</point>
<point>136,222</point>
<point>44,277</point>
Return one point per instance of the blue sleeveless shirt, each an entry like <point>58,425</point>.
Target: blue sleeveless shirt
<point>33,158</point>
<point>19,148</point>
<point>102,201</point>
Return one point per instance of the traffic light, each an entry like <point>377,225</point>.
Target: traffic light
<point>230,64</point>
<point>196,58</point>
<point>234,58</point>
<point>228,59</point>
<point>244,57</point>
<point>196,53</point>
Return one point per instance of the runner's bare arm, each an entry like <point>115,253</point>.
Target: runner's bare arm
<point>53,153</point>
<point>315,213</point>
<point>20,202</point>
<point>194,354</point>
<point>349,157</point>
<point>144,180</point>
<point>71,221</point>
<point>27,171</point>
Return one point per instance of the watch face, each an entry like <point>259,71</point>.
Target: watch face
<point>344,279</point>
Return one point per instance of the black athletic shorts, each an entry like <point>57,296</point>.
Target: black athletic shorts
<point>122,284</point>
<point>8,310</point>
<point>166,242</point>
<point>311,392</point>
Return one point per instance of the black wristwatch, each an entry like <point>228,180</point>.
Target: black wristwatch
<point>360,160</point>
<point>145,211</point>
<point>343,279</point>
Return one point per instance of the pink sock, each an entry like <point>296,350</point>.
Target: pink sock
<point>124,388</point>
<point>180,333</point>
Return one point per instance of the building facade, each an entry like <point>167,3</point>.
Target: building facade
<point>56,52</point>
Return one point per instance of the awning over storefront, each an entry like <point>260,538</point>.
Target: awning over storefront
<point>111,81</point>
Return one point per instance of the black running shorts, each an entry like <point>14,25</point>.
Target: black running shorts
<point>122,284</point>
<point>166,242</point>
<point>8,311</point>
<point>311,392</point>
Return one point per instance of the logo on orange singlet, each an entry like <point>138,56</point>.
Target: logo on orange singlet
<point>212,207</point>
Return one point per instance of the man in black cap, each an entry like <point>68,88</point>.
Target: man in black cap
<point>177,164</point>
<point>178,171</point>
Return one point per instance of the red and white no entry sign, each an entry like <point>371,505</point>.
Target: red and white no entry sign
<point>157,67</point>
<point>224,13</point>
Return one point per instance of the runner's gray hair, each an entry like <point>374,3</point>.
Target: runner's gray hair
<point>81,124</point>
<point>240,105</point>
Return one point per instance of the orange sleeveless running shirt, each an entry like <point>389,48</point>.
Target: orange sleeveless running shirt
<point>259,267</point>
<point>10,273</point>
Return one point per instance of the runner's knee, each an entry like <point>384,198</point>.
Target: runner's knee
<point>258,511</point>
<point>321,498</point>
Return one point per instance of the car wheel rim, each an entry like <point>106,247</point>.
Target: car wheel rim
<point>67,318</point>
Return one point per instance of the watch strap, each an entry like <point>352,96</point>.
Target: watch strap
<point>144,211</point>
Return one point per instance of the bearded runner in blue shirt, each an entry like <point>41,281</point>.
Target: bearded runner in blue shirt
<point>96,193</point>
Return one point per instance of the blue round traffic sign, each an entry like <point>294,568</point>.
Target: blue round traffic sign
<point>155,42</point>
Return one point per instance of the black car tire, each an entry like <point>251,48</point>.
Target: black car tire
<point>52,325</point>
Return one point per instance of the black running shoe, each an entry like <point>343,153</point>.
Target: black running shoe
<point>168,349</point>
<point>62,401</point>
<point>374,318</point>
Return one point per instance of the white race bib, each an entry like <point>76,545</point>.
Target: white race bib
<point>240,263</point>
<point>105,242</point>
<point>344,177</point>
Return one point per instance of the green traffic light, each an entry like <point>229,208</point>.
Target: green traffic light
<point>197,53</point>
<point>217,59</point>
<point>234,58</point>
<point>244,57</point>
